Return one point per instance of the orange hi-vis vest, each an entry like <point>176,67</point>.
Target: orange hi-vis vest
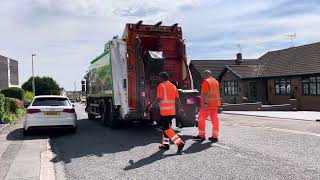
<point>167,93</point>
<point>210,94</point>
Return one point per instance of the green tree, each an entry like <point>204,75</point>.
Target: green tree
<point>28,96</point>
<point>44,86</point>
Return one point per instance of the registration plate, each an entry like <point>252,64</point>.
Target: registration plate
<point>51,113</point>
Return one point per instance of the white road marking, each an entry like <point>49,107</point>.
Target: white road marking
<point>276,129</point>
<point>222,146</point>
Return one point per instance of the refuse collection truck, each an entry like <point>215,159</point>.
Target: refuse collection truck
<point>123,80</point>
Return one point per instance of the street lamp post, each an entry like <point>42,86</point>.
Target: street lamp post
<point>33,84</point>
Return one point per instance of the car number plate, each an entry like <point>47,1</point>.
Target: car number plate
<point>51,113</point>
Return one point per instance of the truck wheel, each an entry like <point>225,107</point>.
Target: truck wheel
<point>103,113</point>
<point>110,115</point>
<point>91,116</point>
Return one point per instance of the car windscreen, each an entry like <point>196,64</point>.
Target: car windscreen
<point>51,101</point>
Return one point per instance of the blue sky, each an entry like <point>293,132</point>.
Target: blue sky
<point>67,34</point>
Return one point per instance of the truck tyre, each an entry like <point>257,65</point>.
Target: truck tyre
<point>111,117</point>
<point>103,113</point>
<point>91,116</point>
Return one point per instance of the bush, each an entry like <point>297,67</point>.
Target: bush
<point>9,118</point>
<point>28,96</point>
<point>14,92</point>
<point>20,103</point>
<point>11,105</point>
<point>2,106</point>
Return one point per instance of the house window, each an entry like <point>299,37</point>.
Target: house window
<point>311,85</point>
<point>283,86</point>
<point>231,88</point>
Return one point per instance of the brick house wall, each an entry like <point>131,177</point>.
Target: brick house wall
<point>305,102</point>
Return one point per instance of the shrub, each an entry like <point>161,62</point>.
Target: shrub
<point>2,106</point>
<point>11,105</point>
<point>20,103</point>
<point>28,96</point>
<point>14,92</point>
<point>9,118</point>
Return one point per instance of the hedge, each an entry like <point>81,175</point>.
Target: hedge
<point>11,105</point>
<point>14,92</point>
<point>2,106</point>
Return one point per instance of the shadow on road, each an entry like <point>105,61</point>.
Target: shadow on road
<point>94,139</point>
<point>196,147</point>
<point>17,134</point>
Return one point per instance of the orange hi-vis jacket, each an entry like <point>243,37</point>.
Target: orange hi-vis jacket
<point>210,94</point>
<point>167,93</point>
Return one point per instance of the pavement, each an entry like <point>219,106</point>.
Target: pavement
<point>297,115</point>
<point>250,147</point>
<point>24,158</point>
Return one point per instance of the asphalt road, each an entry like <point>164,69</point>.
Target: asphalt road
<point>249,148</point>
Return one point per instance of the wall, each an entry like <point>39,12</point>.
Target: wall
<point>3,72</point>
<point>14,72</point>
<point>196,76</point>
<point>304,102</point>
<point>228,76</point>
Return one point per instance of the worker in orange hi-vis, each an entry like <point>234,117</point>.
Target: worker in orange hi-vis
<point>210,102</point>
<point>168,98</point>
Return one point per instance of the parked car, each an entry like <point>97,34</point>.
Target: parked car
<point>50,111</point>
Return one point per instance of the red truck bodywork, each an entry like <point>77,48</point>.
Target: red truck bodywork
<point>143,38</point>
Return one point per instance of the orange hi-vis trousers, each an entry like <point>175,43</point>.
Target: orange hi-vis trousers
<point>168,132</point>
<point>173,136</point>
<point>203,115</point>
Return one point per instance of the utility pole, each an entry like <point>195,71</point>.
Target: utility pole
<point>292,36</point>
<point>75,90</point>
<point>33,84</point>
<point>239,48</point>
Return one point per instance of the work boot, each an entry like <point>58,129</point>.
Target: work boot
<point>180,147</point>
<point>164,147</point>
<point>199,138</point>
<point>213,140</point>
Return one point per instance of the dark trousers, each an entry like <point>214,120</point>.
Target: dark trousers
<point>166,123</point>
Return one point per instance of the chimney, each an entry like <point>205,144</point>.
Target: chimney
<point>239,59</point>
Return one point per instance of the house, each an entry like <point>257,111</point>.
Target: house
<point>277,77</point>
<point>9,74</point>
<point>215,66</point>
